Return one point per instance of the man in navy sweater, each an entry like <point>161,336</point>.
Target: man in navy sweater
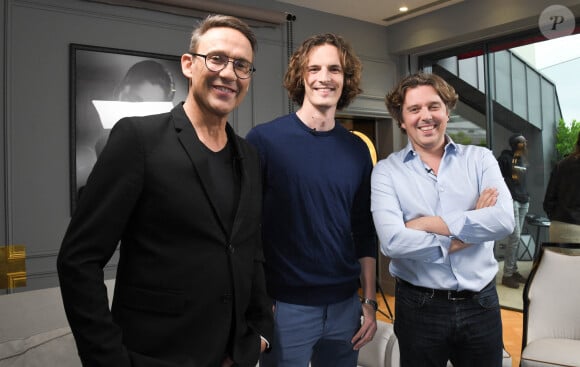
<point>318,233</point>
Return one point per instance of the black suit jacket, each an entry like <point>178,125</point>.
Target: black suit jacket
<point>186,292</point>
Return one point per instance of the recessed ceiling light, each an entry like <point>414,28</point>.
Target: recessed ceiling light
<point>403,9</point>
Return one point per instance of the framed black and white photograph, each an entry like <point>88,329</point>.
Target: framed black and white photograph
<point>107,84</point>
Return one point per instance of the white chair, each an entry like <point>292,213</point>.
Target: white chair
<point>551,298</point>
<point>383,350</point>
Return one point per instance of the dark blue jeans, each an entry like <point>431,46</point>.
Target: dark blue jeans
<point>433,330</point>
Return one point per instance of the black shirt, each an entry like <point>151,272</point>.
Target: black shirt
<point>226,179</point>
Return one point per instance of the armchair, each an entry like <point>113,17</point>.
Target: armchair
<point>551,335</point>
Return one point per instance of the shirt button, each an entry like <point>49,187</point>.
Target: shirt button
<point>230,248</point>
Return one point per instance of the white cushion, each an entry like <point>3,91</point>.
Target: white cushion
<point>554,296</point>
<point>553,320</point>
<point>383,350</point>
<point>24,314</point>
<point>34,330</point>
<point>52,348</point>
<point>551,352</point>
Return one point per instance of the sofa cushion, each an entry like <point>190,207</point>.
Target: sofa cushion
<point>551,352</point>
<point>52,348</point>
<point>383,350</point>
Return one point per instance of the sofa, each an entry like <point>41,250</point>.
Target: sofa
<point>34,332</point>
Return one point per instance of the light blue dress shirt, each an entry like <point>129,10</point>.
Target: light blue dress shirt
<point>402,189</point>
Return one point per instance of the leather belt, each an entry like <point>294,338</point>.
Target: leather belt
<point>441,293</point>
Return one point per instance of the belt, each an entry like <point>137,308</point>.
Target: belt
<point>441,293</point>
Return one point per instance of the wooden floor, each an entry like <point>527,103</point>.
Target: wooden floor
<point>512,334</point>
<point>512,327</point>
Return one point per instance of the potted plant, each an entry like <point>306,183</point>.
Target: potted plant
<point>566,137</point>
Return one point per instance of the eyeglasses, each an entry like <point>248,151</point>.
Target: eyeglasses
<point>218,62</point>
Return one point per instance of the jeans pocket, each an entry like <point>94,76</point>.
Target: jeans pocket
<point>410,297</point>
<point>488,299</point>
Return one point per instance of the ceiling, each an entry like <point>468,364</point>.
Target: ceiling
<point>383,12</point>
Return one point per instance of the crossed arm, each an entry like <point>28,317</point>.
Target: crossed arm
<point>435,224</point>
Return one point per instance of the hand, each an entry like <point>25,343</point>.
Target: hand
<point>227,362</point>
<point>368,328</point>
<point>457,245</point>
<point>263,345</point>
<point>487,198</point>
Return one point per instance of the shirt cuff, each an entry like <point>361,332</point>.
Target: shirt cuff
<point>455,222</point>
<point>267,342</point>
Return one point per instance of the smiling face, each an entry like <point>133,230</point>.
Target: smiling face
<point>217,93</point>
<point>424,118</point>
<point>323,78</point>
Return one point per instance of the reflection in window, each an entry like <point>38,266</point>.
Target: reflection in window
<point>467,126</point>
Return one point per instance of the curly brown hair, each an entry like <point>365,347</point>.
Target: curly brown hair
<point>350,63</point>
<point>396,97</point>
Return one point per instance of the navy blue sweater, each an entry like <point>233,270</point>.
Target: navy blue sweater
<point>317,221</point>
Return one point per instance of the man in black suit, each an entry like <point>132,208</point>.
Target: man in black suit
<point>181,193</point>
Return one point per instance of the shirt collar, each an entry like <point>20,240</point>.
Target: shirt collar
<point>450,147</point>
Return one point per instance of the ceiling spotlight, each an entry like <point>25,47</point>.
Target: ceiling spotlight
<point>403,9</point>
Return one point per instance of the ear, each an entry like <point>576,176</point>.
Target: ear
<point>186,65</point>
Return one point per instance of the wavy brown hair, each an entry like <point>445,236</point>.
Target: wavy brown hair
<point>395,99</point>
<point>350,63</point>
<point>219,21</point>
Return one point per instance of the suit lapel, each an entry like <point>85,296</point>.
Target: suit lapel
<point>194,149</point>
<point>241,168</point>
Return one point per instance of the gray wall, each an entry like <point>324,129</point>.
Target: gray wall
<point>34,103</point>
<point>34,108</point>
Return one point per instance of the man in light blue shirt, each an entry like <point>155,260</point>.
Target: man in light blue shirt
<point>438,207</point>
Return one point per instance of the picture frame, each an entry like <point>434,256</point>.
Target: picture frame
<point>107,84</point>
